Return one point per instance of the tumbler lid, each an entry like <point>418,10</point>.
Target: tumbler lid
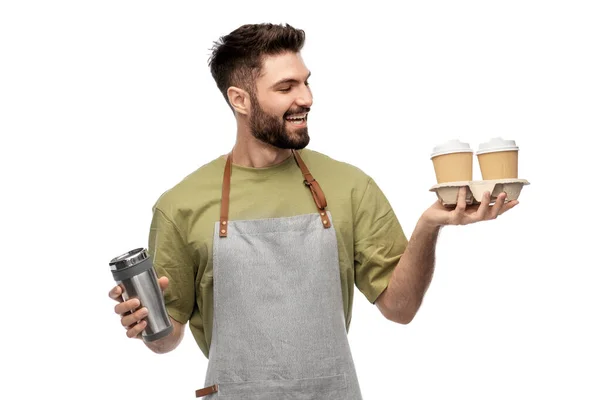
<point>128,259</point>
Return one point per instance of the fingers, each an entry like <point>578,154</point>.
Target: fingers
<point>115,293</point>
<point>484,207</point>
<point>486,213</point>
<point>508,206</point>
<point>463,214</point>
<point>136,330</point>
<point>498,206</point>
<point>458,214</point>
<point>130,320</point>
<point>127,306</point>
<point>461,201</point>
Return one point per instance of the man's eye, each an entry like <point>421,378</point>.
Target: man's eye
<point>287,89</point>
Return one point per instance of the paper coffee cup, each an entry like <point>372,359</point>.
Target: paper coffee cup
<point>498,159</point>
<point>452,161</point>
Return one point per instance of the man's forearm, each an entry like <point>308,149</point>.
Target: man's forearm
<point>412,275</point>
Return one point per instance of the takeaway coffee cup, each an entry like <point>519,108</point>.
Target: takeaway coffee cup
<point>134,272</point>
<point>452,161</point>
<point>498,159</point>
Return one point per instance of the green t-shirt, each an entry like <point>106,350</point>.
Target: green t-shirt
<point>370,238</point>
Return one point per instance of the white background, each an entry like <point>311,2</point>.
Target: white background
<point>105,105</point>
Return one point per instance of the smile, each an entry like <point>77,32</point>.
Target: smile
<point>297,119</point>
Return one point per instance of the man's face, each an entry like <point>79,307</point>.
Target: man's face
<point>280,106</point>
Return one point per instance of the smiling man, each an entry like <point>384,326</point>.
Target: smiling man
<point>260,249</point>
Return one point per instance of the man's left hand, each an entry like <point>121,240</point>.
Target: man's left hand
<point>439,215</point>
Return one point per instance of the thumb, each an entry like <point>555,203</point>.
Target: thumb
<point>163,282</point>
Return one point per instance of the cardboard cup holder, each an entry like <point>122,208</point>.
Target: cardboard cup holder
<point>447,193</point>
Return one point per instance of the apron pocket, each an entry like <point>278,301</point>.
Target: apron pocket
<point>326,388</point>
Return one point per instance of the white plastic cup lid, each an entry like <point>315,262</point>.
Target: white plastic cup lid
<point>451,146</point>
<point>497,144</point>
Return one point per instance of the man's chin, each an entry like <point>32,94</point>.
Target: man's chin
<point>299,146</point>
<point>295,140</point>
<point>290,146</point>
<point>301,143</point>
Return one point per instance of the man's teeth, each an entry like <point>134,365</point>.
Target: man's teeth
<point>297,119</point>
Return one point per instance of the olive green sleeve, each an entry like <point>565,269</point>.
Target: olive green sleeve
<point>379,242</point>
<point>171,258</point>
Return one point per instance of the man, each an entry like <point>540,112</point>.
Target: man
<point>259,250</point>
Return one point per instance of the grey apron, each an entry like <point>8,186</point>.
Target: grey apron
<point>279,330</point>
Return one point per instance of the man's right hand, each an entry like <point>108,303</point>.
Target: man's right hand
<point>132,318</point>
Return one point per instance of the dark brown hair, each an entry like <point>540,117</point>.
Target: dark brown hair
<point>236,58</point>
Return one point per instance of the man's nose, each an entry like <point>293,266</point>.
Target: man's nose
<point>305,98</point>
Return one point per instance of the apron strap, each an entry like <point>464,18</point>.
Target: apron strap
<point>225,198</point>
<point>315,189</point>
<point>309,181</point>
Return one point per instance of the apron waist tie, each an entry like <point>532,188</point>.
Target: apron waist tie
<point>207,390</point>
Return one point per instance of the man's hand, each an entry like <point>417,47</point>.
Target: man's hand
<point>439,215</point>
<point>132,318</point>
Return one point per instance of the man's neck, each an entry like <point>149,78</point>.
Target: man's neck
<point>251,152</point>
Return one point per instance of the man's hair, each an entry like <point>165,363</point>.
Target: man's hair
<point>236,58</point>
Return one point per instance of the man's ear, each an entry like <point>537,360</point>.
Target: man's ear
<point>239,99</point>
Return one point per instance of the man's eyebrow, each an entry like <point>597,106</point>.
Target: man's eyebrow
<point>289,80</point>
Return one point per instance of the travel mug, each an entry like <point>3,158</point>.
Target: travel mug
<point>134,272</point>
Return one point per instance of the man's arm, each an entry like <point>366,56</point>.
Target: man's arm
<point>401,300</point>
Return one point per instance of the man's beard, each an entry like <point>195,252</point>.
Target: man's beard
<point>272,129</point>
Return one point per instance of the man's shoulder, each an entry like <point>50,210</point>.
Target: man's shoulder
<point>328,167</point>
<point>194,185</point>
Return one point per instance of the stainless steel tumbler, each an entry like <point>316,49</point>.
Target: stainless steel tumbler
<point>134,272</point>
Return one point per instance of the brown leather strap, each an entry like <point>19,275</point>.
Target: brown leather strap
<point>309,181</point>
<point>315,189</point>
<point>207,390</point>
<point>225,198</point>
